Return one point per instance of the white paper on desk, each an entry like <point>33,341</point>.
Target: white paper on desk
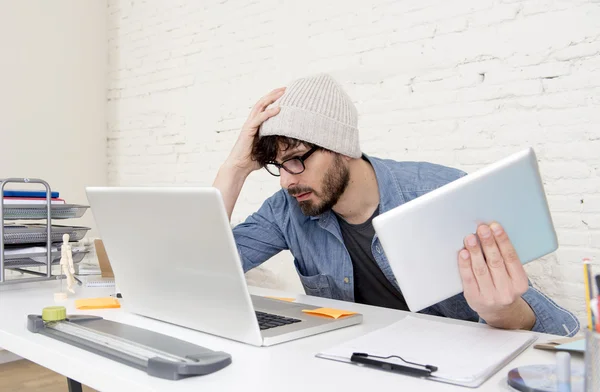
<point>465,355</point>
<point>99,281</point>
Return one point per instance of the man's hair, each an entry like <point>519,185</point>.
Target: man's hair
<point>265,149</point>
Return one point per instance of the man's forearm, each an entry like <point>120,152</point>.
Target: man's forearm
<point>229,182</point>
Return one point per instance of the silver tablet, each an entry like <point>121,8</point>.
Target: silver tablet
<point>422,238</point>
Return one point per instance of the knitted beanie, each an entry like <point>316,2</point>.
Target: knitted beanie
<point>316,110</point>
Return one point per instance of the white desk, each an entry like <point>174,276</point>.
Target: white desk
<point>290,366</point>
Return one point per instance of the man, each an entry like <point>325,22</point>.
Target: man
<point>330,193</point>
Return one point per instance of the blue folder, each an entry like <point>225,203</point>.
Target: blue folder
<point>12,193</point>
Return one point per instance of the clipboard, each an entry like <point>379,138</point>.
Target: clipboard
<point>454,353</point>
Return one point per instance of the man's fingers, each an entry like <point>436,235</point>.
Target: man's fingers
<point>494,259</point>
<point>470,286</point>
<point>514,267</point>
<point>479,266</point>
<point>266,101</point>
<point>262,117</point>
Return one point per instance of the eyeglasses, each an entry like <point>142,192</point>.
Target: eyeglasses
<point>293,165</point>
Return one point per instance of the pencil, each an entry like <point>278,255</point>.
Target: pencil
<point>591,285</point>
<point>598,302</point>
<point>588,294</point>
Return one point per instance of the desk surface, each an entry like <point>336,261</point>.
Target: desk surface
<point>291,366</point>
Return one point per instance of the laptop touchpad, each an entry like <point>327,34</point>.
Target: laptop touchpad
<point>271,304</point>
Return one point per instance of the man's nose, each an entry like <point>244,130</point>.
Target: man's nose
<point>286,179</point>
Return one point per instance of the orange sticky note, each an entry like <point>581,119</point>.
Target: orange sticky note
<point>283,299</point>
<point>97,303</point>
<point>329,312</point>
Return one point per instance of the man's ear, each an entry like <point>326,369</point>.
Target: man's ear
<point>347,158</point>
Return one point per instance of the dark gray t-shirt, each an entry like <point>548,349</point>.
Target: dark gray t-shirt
<point>371,287</point>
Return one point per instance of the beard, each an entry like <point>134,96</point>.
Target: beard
<point>335,182</point>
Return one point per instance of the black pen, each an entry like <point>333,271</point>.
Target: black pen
<point>364,359</point>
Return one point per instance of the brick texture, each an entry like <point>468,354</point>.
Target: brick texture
<point>460,83</point>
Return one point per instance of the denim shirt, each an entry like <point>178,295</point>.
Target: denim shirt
<point>323,262</point>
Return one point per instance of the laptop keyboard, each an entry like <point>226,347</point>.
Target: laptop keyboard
<point>268,320</point>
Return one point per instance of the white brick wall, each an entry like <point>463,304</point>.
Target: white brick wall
<point>460,83</point>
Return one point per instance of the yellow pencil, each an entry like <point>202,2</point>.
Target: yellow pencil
<point>586,281</point>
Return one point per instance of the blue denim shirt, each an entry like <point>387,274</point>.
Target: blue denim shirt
<point>323,262</point>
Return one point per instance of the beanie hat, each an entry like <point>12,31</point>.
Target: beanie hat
<point>316,110</point>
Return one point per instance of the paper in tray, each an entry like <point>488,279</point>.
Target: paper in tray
<point>34,233</point>
<point>39,211</point>
<point>35,259</point>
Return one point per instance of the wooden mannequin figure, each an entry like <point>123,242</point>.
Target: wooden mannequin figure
<point>66,262</point>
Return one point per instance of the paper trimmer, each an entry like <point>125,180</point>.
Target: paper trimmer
<point>159,355</point>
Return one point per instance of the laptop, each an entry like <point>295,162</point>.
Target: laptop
<point>422,238</point>
<point>174,259</point>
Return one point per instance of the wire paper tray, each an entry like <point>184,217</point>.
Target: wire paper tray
<point>30,240</point>
<point>38,211</point>
<point>33,259</point>
<point>27,234</point>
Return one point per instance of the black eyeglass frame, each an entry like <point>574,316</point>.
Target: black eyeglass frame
<point>301,159</point>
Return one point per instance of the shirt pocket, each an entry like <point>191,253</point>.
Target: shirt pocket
<point>316,285</point>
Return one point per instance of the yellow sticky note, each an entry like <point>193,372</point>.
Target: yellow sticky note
<point>97,303</point>
<point>283,299</point>
<point>329,312</point>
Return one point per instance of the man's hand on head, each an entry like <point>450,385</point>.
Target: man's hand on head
<point>494,279</point>
<point>240,156</point>
<point>238,166</point>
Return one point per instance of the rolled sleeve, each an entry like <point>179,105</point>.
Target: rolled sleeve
<point>549,317</point>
